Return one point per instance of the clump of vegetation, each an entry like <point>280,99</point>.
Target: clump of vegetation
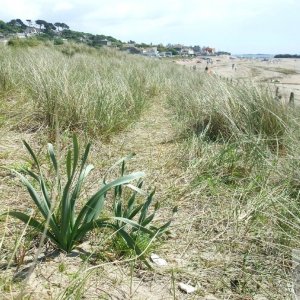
<point>224,110</point>
<point>64,223</point>
<point>28,42</point>
<point>98,91</point>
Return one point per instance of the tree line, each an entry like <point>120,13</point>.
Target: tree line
<point>17,25</point>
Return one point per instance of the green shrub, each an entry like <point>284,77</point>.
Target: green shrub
<point>58,41</point>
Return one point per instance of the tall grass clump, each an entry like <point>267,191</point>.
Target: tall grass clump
<point>225,110</point>
<point>25,42</point>
<point>98,91</point>
<point>7,73</point>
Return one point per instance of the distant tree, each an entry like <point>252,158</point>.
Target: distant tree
<point>58,25</point>
<point>162,48</point>
<point>64,26</point>
<point>17,23</point>
<point>41,23</point>
<point>6,29</point>
<point>49,27</point>
<point>142,45</point>
<point>197,48</point>
<point>173,51</point>
<point>29,22</point>
<point>20,23</point>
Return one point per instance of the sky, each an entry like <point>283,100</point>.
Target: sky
<point>237,26</point>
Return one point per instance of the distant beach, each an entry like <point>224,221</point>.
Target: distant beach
<point>254,56</point>
<point>283,73</point>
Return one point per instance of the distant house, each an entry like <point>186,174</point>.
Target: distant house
<point>165,54</point>
<point>105,42</point>
<point>21,35</point>
<point>30,31</point>
<point>187,52</point>
<point>128,45</point>
<point>177,47</point>
<point>132,49</point>
<point>152,51</point>
<point>209,51</point>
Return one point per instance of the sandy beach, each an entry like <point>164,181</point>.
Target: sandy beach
<point>281,73</point>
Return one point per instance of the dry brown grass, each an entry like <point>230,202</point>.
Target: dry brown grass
<point>225,238</point>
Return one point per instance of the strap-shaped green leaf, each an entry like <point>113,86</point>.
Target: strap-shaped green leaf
<point>53,157</point>
<point>69,164</point>
<point>133,224</point>
<point>75,153</point>
<point>146,206</point>
<point>86,212</point>
<point>40,203</point>
<point>123,159</point>
<point>100,223</point>
<point>162,229</point>
<point>31,174</point>
<point>32,154</point>
<point>135,211</point>
<point>132,244</point>
<point>31,222</point>
<point>148,219</point>
<point>76,192</point>
<point>85,155</point>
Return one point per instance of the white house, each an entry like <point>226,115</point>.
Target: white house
<point>187,52</point>
<point>150,51</point>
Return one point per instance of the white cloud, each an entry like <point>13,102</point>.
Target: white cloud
<point>63,6</point>
<point>217,22</point>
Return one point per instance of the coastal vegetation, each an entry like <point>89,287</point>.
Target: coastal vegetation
<point>287,56</point>
<point>225,152</point>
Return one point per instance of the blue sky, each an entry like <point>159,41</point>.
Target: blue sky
<point>238,26</point>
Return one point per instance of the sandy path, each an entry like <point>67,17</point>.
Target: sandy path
<point>153,139</point>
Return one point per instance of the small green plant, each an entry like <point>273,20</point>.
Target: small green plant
<point>63,223</point>
<point>129,208</point>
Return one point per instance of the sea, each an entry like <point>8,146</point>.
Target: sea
<point>254,56</point>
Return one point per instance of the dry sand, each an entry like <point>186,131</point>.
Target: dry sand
<point>281,73</point>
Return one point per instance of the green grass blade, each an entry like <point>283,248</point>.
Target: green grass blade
<point>132,245</point>
<point>88,212</point>
<point>123,159</point>
<point>69,164</point>
<point>148,220</point>
<point>146,207</point>
<point>133,224</point>
<point>76,191</point>
<point>53,157</point>
<point>134,212</point>
<point>31,222</point>
<point>162,229</point>
<point>100,223</point>
<point>75,153</point>
<point>131,201</point>
<point>31,174</point>
<point>32,154</point>
<point>85,156</point>
<point>40,203</point>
